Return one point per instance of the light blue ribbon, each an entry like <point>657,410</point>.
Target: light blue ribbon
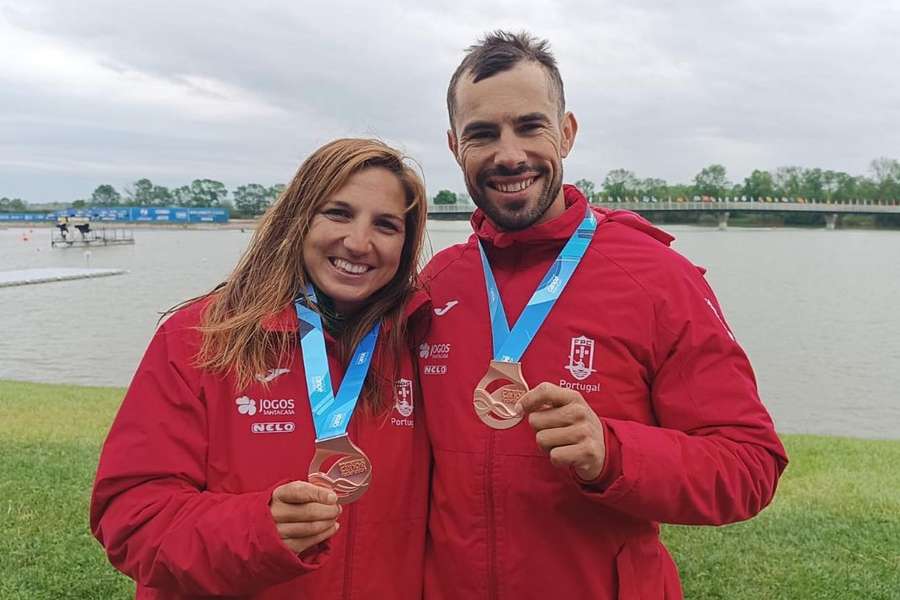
<point>509,346</point>
<point>331,414</point>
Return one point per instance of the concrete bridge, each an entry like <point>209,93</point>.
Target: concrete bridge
<point>721,207</point>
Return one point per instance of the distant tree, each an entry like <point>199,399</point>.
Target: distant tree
<point>79,204</point>
<point>182,196</point>
<point>620,183</point>
<point>140,193</point>
<point>252,199</point>
<point>758,185</point>
<point>711,181</point>
<point>445,197</point>
<point>160,196</point>
<point>653,187</point>
<point>679,190</point>
<point>201,193</point>
<point>788,182</point>
<point>866,189</point>
<point>841,187</point>
<point>106,195</point>
<point>12,204</point>
<point>587,188</point>
<point>885,169</point>
<point>276,191</point>
<point>812,184</point>
<point>886,176</point>
<point>208,192</point>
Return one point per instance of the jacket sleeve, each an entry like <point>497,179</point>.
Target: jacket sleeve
<point>150,508</point>
<point>713,456</point>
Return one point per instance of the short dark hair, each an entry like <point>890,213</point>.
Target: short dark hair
<point>500,51</point>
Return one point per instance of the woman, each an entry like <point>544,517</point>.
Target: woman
<point>202,486</point>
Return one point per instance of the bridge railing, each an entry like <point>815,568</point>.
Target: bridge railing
<point>738,205</point>
<point>718,205</point>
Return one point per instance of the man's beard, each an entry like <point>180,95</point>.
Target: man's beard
<point>524,216</point>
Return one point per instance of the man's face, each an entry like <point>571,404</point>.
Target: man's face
<point>510,142</point>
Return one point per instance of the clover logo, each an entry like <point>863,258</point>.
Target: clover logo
<point>246,406</point>
<point>424,350</point>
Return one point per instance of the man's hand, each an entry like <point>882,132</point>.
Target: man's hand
<point>304,514</point>
<point>567,429</point>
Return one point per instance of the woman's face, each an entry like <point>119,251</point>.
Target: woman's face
<point>356,238</point>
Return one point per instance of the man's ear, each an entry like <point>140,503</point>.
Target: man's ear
<point>569,130</point>
<point>453,144</point>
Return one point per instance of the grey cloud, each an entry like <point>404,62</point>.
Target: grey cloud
<point>661,88</point>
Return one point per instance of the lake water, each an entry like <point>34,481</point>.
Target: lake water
<point>817,311</point>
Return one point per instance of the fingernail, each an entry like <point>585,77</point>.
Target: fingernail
<point>332,497</point>
<point>337,525</point>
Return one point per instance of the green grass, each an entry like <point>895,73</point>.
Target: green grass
<point>50,437</point>
<point>832,532</point>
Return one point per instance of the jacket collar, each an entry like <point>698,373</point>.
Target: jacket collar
<point>557,229</point>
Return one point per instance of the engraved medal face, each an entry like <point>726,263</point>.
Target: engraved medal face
<point>342,467</point>
<point>497,393</point>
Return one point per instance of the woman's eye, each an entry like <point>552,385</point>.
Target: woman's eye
<point>336,213</point>
<point>388,226</point>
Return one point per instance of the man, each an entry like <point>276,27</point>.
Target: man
<point>642,407</point>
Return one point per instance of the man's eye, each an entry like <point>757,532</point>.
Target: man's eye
<point>479,135</point>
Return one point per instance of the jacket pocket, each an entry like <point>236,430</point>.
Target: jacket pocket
<point>640,570</point>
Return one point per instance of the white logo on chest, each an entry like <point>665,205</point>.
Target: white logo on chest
<point>581,358</point>
<point>403,402</point>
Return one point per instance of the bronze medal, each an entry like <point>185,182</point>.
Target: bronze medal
<point>342,467</point>
<point>498,392</point>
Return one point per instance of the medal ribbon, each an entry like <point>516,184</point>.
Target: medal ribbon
<point>509,346</point>
<point>331,413</point>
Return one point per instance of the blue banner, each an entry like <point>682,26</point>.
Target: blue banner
<point>139,214</point>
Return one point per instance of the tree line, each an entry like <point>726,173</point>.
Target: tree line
<point>247,200</point>
<point>823,185</point>
<point>814,184</point>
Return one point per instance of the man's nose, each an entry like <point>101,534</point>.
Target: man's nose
<point>510,152</point>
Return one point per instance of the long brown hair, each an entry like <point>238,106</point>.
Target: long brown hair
<point>270,274</point>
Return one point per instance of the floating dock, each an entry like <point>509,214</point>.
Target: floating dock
<point>30,276</point>
<point>90,237</point>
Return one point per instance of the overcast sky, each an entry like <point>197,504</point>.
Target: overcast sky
<point>101,91</point>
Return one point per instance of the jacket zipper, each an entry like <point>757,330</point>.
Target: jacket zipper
<point>493,592</point>
<point>348,555</point>
<point>348,558</point>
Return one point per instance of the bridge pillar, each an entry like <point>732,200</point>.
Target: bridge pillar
<point>723,220</point>
<point>831,220</point>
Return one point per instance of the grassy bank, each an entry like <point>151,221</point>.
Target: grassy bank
<point>832,532</point>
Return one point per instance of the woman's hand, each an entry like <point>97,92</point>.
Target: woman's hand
<point>304,514</point>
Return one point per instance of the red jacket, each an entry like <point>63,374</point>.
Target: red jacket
<point>181,497</point>
<point>688,440</point>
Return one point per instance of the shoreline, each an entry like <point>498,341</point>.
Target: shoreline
<point>232,224</point>
<point>250,224</point>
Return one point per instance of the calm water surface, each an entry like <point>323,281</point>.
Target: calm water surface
<point>817,311</point>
